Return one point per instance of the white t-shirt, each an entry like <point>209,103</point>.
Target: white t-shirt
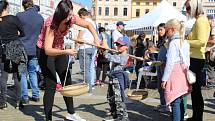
<point>87,35</point>
<point>116,35</point>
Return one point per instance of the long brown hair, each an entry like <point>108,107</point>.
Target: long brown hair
<point>61,13</point>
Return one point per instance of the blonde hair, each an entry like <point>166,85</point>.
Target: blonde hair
<point>179,26</point>
<point>195,8</point>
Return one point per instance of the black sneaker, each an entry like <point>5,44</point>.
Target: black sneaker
<point>35,99</point>
<point>3,106</point>
<point>190,119</point>
<point>25,101</point>
<point>19,105</point>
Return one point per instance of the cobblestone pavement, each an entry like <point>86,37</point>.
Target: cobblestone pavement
<point>92,107</point>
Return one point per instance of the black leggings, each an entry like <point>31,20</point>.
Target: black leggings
<point>102,67</point>
<point>196,65</point>
<point>54,64</point>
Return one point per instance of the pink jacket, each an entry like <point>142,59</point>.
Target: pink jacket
<point>177,84</point>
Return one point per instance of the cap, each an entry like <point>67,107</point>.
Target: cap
<point>120,23</point>
<point>123,40</point>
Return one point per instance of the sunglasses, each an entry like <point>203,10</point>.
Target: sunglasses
<point>119,45</point>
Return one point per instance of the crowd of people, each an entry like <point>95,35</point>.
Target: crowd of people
<point>28,42</point>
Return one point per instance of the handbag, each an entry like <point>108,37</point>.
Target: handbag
<point>191,76</point>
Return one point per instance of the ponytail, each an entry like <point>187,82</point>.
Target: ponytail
<point>182,32</point>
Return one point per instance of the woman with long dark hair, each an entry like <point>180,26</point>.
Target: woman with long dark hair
<point>54,58</point>
<point>162,39</point>
<point>13,52</point>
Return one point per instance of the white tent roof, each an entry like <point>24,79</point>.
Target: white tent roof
<point>160,14</point>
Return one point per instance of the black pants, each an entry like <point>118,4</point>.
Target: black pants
<point>50,66</point>
<point>139,64</point>
<point>5,68</point>
<point>102,67</point>
<point>196,65</point>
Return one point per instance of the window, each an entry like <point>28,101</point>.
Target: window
<point>137,3</point>
<point>137,12</point>
<point>146,11</point>
<point>154,3</point>
<point>115,11</point>
<point>174,3</point>
<point>100,11</point>
<point>125,11</point>
<point>211,12</point>
<point>211,0</point>
<point>147,3</point>
<point>107,11</point>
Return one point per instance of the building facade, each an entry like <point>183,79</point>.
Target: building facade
<point>209,7</point>
<point>110,11</point>
<point>178,4</point>
<point>47,7</point>
<point>141,7</point>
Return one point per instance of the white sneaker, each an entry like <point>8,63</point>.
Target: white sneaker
<point>186,116</point>
<point>74,117</point>
<point>109,120</point>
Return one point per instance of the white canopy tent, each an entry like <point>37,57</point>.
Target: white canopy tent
<point>160,14</point>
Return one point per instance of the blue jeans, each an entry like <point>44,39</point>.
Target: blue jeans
<point>93,67</point>
<point>178,109</point>
<point>87,63</point>
<point>31,72</point>
<point>160,72</point>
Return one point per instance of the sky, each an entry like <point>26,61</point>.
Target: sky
<point>87,3</point>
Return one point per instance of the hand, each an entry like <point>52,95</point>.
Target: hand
<point>71,52</point>
<point>163,85</point>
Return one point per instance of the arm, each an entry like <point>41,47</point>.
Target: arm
<point>113,58</point>
<point>49,38</point>
<point>89,26</point>
<point>20,28</point>
<point>171,55</point>
<point>202,36</point>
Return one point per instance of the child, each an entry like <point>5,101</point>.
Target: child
<point>118,79</point>
<point>150,55</point>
